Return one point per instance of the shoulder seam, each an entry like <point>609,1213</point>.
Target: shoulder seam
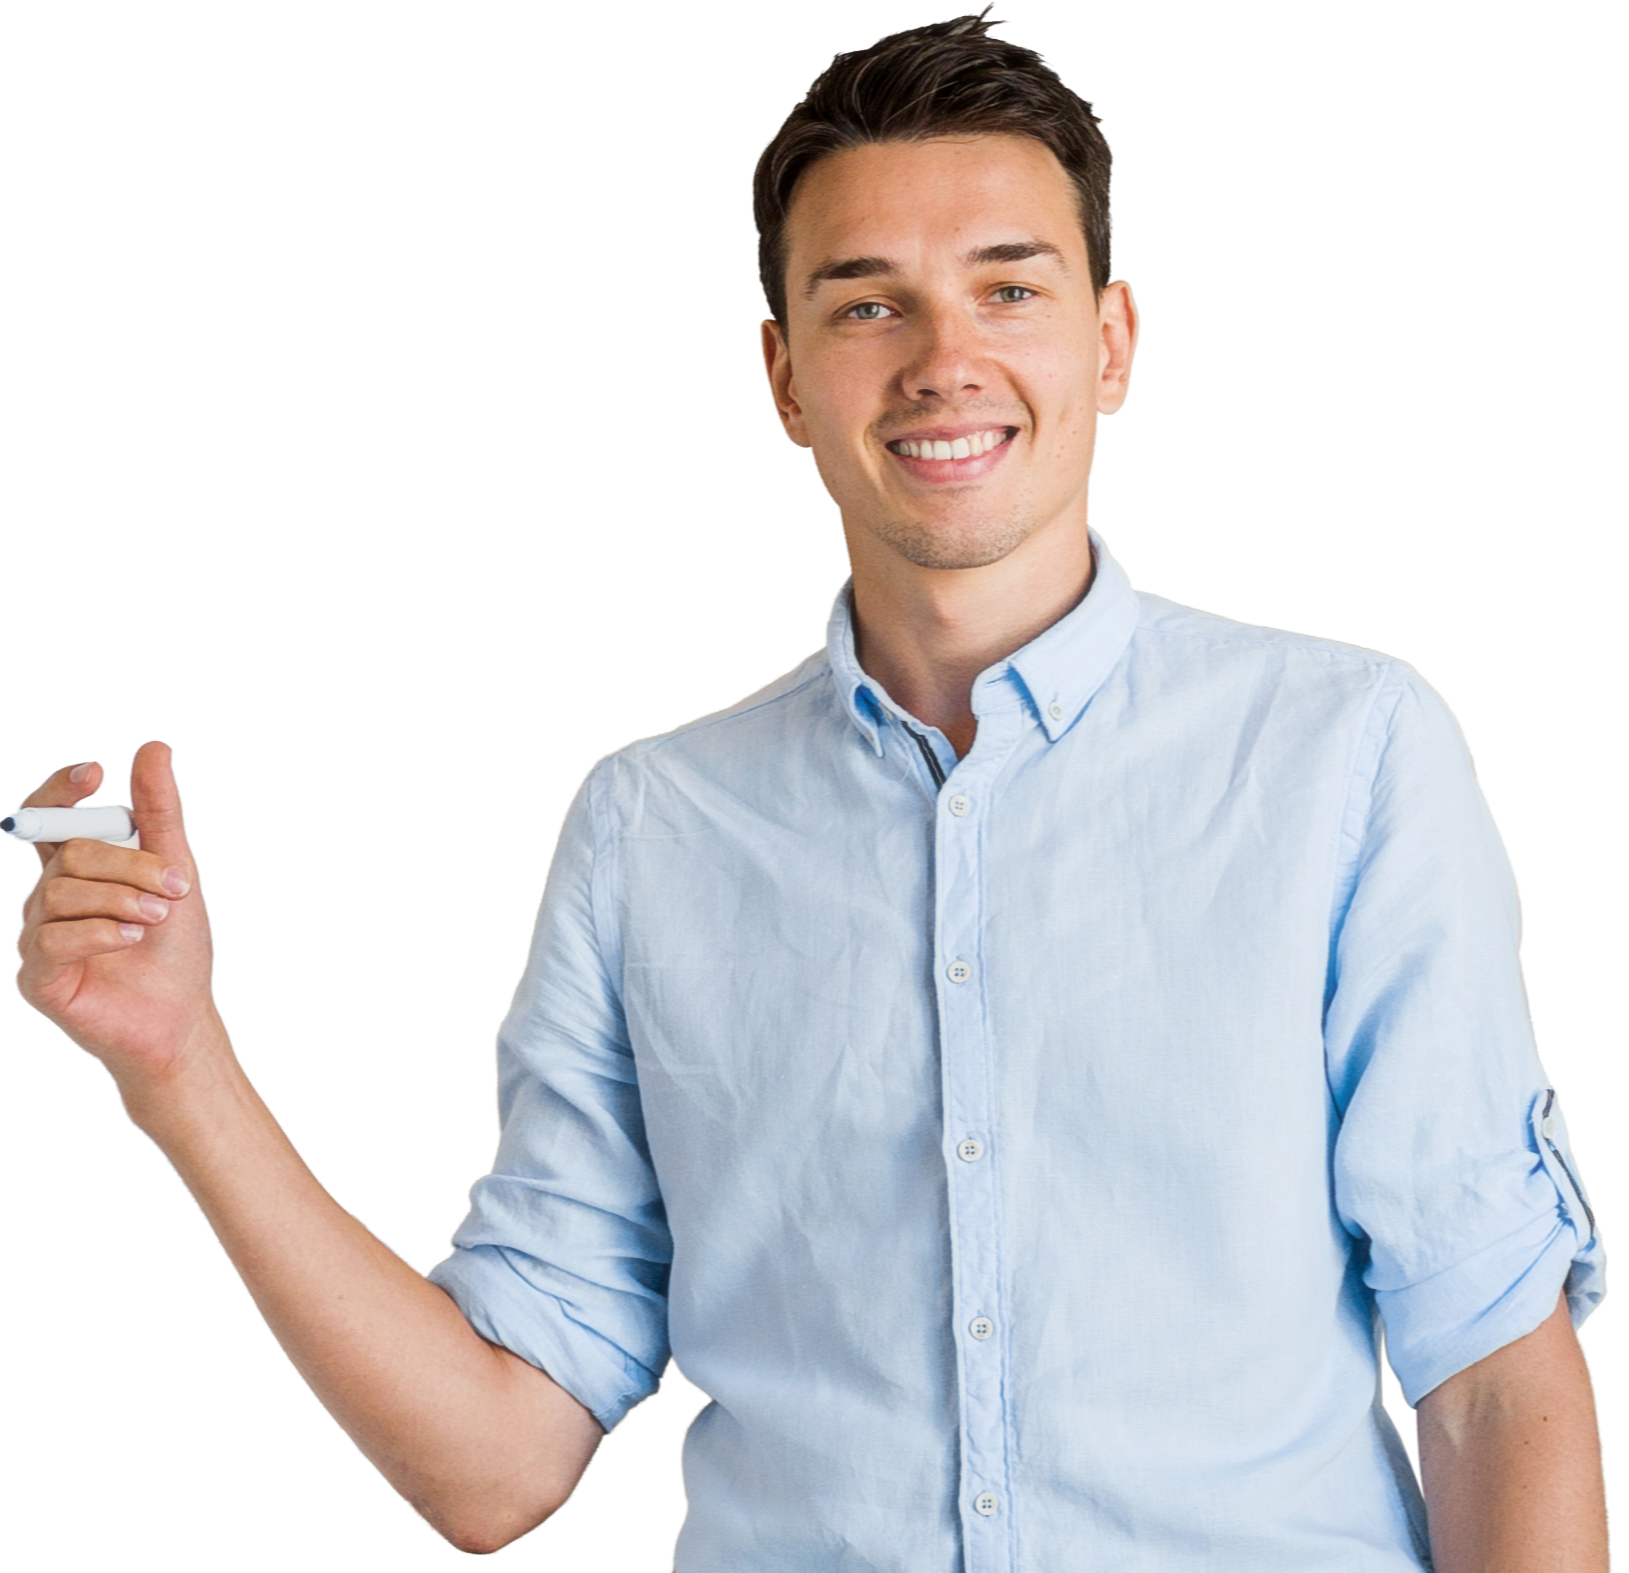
<point>607,933</point>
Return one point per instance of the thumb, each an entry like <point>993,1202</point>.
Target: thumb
<point>156,806</point>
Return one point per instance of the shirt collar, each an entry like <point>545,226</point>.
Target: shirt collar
<point>1058,671</point>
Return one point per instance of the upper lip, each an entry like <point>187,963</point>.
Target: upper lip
<point>949,433</point>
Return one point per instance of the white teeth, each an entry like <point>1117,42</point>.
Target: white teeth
<point>962,448</point>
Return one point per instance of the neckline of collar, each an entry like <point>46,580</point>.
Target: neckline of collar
<point>1059,670</point>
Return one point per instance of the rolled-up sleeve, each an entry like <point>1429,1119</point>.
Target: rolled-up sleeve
<point>564,1256</point>
<point>1451,1164</point>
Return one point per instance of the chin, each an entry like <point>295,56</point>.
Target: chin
<point>966,545</point>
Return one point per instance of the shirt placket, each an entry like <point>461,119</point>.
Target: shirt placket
<point>971,1147</point>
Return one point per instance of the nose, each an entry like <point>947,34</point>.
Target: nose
<point>945,362</point>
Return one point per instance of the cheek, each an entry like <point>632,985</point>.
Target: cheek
<point>1061,391</point>
<point>1075,441</point>
<point>839,403</point>
<point>1079,425</point>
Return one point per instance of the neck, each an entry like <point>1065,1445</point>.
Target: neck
<point>925,634</point>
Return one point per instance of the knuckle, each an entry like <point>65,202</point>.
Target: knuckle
<point>149,867</point>
<point>60,943</point>
<point>63,898</point>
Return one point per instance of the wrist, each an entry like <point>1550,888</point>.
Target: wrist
<point>190,1083</point>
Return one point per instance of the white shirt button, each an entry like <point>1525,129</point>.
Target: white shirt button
<point>959,805</point>
<point>1549,1127</point>
<point>958,972</point>
<point>986,1503</point>
<point>969,1149</point>
<point>1055,710</point>
<point>981,1327</point>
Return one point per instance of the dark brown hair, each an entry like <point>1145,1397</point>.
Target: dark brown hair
<point>945,79</point>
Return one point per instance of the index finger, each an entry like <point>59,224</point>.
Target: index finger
<point>62,790</point>
<point>105,863</point>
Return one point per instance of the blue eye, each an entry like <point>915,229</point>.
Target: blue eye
<point>875,311</point>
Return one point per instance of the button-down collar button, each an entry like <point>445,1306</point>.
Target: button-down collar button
<point>981,1327</point>
<point>958,972</point>
<point>1055,710</point>
<point>986,1503</point>
<point>969,1149</point>
<point>959,805</point>
<point>1549,1125</point>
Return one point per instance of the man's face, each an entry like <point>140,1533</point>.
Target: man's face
<point>944,355</point>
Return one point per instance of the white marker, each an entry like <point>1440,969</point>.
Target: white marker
<point>67,824</point>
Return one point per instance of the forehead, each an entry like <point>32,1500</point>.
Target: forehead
<point>913,200</point>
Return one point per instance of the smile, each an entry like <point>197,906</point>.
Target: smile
<point>963,458</point>
<point>961,448</point>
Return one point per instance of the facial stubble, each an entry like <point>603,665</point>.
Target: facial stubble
<point>974,543</point>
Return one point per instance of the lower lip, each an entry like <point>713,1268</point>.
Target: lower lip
<point>941,471</point>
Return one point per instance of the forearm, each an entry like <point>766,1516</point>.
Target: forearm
<point>117,951</point>
<point>482,1444</point>
<point>1511,1461</point>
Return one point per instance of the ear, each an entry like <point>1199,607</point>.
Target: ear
<point>778,363</point>
<point>1116,344</point>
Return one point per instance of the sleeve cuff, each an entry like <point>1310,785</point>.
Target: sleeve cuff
<point>506,1309</point>
<point>1439,1325</point>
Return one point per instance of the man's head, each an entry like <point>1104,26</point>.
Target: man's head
<point>949,79</point>
<point>933,225</point>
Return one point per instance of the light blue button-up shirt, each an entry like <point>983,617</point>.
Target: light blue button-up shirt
<point>1025,1152</point>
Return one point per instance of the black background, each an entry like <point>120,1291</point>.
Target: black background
<point>396,445</point>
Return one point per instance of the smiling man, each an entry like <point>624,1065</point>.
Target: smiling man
<point>946,354</point>
<point>1017,1062</point>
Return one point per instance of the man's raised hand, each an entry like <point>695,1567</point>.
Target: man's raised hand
<point>115,941</point>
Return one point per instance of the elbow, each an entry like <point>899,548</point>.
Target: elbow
<point>481,1540</point>
<point>480,1531</point>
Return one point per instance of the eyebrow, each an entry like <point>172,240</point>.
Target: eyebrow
<point>846,268</point>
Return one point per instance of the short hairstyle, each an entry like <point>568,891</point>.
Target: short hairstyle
<point>943,80</point>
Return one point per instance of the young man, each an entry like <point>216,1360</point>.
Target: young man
<point>1016,1062</point>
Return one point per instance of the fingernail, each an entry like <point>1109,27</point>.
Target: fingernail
<point>131,931</point>
<point>152,907</point>
<point>82,772</point>
<point>174,881</point>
